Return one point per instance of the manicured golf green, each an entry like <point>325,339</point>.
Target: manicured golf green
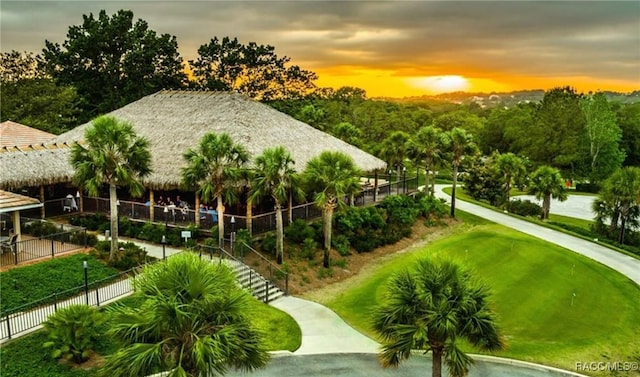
<point>556,307</point>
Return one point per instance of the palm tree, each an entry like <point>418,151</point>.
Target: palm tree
<point>334,176</point>
<point>545,183</point>
<point>214,169</point>
<point>620,199</point>
<point>394,150</point>
<point>512,168</point>
<point>193,320</point>
<point>460,145</point>
<point>427,147</point>
<point>430,309</point>
<point>114,155</point>
<point>275,176</point>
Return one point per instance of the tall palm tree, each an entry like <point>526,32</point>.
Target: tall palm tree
<point>427,147</point>
<point>335,177</point>
<point>394,150</point>
<point>113,155</point>
<point>431,308</point>
<point>620,195</point>
<point>545,183</point>
<point>512,168</point>
<point>274,175</point>
<point>193,321</point>
<point>214,169</point>
<point>460,145</point>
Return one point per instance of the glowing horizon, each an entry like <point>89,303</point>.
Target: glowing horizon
<point>386,83</point>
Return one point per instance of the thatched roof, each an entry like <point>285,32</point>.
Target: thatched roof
<point>11,202</point>
<point>34,165</point>
<point>12,133</point>
<point>175,121</point>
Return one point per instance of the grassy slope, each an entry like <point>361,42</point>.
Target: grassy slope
<point>533,283</point>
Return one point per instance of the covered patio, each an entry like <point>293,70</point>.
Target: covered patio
<point>11,204</point>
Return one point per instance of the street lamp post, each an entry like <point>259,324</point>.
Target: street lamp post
<point>85,267</point>
<point>404,179</point>
<point>164,244</point>
<point>233,233</point>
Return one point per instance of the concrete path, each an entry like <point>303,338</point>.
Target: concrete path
<point>577,206</point>
<point>367,365</point>
<point>323,331</point>
<point>622,263</point>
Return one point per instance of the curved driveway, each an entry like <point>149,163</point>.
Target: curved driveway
<point>622,263</point>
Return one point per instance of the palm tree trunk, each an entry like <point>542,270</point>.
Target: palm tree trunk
<point>436,366</point>
<point>624,213</point>
<point>279,234</point>
<point>453,190</point>
<point>113,203</point>
<point>220,210</point>
<point>327,220</point>
<point>426,177</point>
<point>546,203</point>
<point>507,188</point>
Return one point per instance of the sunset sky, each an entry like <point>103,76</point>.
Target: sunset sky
<point>388,48</point>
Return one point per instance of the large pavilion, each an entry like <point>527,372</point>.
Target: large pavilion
<point>173,122</point>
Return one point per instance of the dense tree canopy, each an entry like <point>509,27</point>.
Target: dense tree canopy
<point>559,123</point>
<point>31,97</point>
<point>112,61</point>
<point>252,69</point>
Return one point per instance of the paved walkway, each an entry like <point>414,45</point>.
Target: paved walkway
<point>622,263</point>
<point>323,331</point>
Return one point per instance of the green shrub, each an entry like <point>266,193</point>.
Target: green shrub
<point>592,188</point>
<point>128,256</point>
<point>431,207</point>
<point>243,241</point>
<point>83,238</point>
<point>341,244</point>
<point>269,243</point>
<point>362,226</point>
<point>401,210</point>
<point>73,332</point>
<point>308,249</point>
<point>298,231</point>
<point>524,208</point>
<point>211,241</point>
<point>91,222</point>
<point>342,263</point>
<point>41,228</point>
<point>325,272</point>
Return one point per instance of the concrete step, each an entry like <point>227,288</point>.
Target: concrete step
<point>255,283</point>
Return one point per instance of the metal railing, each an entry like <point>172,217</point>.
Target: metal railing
<point>238,252</point>
<point>44,246</point>
<point>95,293</point>
<point>260,223</point>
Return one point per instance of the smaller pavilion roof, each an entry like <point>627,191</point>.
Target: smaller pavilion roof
<point>11,202</point>
<point>12,133</point>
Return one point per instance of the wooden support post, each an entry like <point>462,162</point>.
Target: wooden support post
<point>375,185</point>
<point>151,205</point>
<point>249,216</point>
<point>197,211</point>
<point>42,214</point>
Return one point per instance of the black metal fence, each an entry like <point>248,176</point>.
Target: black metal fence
<point>41,246</point>
<point>95,293</point>
<point>260,223</point>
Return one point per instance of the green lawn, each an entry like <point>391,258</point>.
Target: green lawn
<point>25,357</point>
<point>533,284</point>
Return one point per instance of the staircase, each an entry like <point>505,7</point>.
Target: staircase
<point>261,287</point>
